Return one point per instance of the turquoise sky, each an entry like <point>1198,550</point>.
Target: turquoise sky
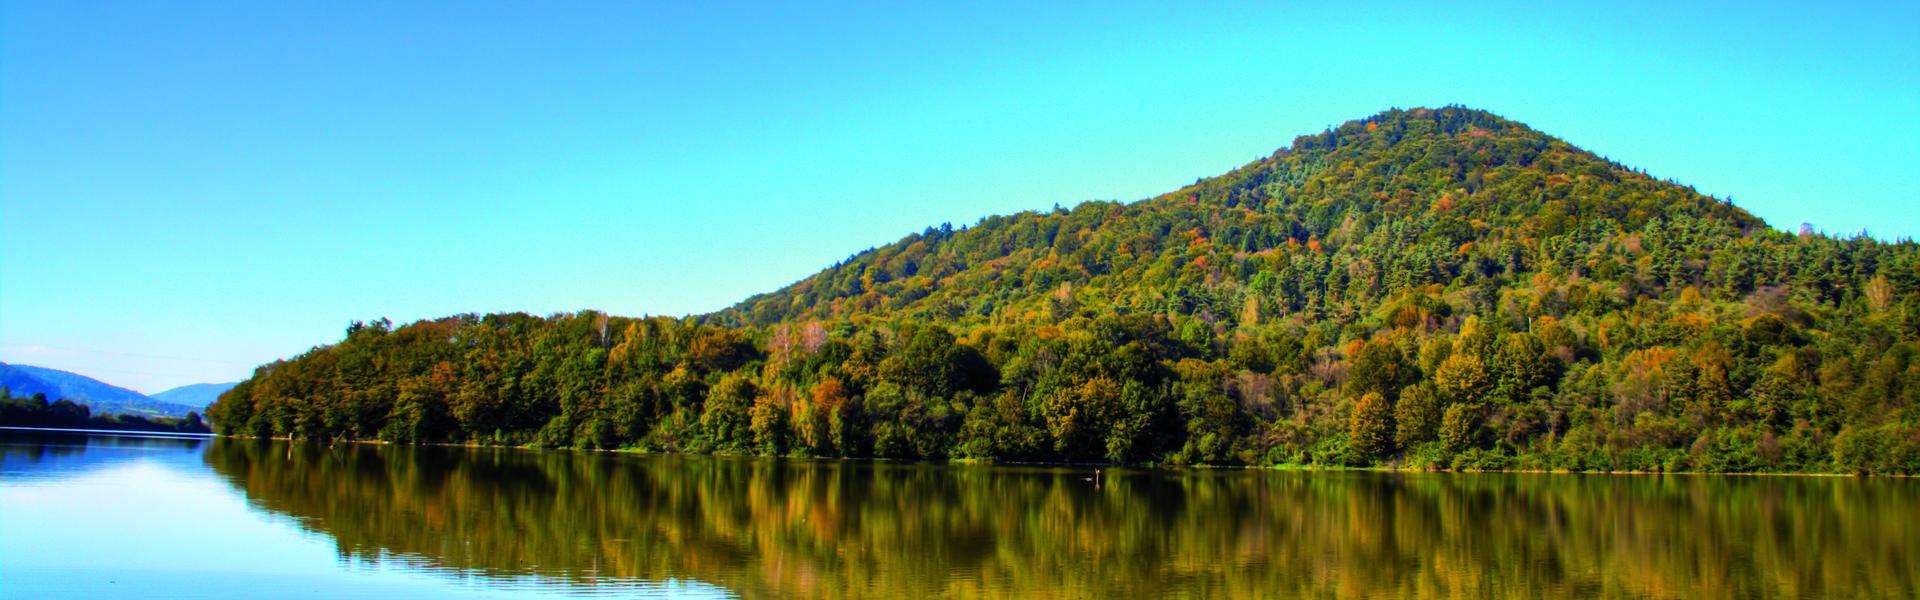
<point>188,190</point>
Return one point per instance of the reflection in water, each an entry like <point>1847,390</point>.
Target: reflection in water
<point>767,528</point>
<point>27,454</point>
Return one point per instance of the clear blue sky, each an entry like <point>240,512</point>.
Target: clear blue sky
<point>189,189</point>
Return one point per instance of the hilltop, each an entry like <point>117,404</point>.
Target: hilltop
<point>1430,288</point>
<point>1415,195</point>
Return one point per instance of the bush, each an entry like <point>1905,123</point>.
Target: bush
<point>1477,459</point>
<point>1727,451</point>
<point>1333,451</point>
<point>1884,450</point>
<point>1428,456</point>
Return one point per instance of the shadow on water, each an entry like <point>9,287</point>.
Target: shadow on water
<point>789,528</point>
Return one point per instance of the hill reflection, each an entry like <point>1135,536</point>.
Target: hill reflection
<point>771,528</point>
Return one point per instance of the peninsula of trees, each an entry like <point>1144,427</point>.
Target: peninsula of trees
<point>1428,288</point>
<point>37,412</point>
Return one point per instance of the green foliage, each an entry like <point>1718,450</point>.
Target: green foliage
<point>1459,291</point>
<point>1886,449</point>
<point>1378,367</point>
<point>1370,428</point>
<point>1459,429</point>
<point>1417,415</point>
<point>36,411</point>
<point>726,416</point>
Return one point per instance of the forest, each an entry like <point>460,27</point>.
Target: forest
<point>36,411</point>
<point>1420,289</point>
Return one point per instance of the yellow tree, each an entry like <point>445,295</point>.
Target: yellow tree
<point>1370,428</point>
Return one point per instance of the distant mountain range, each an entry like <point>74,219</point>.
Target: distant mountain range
<point>197,395</point>
<point>102,397</point>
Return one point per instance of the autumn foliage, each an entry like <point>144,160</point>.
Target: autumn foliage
<point>1431,288</point>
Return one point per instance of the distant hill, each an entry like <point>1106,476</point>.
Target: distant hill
<point>197,395</point>
<point>101,397</point>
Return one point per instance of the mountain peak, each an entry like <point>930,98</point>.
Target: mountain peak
<point>1453,179</point>
<point>197,395</point>
<point>1396,124</point>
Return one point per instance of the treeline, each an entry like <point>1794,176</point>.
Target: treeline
<point>1428,288</point>
<point>36,411</point>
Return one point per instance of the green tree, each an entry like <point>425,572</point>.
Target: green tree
<point>1417,415</point>
<point>1458,428</point>
<point>1379,367</point>
<point>1370,427</point>
<point>726,416</point>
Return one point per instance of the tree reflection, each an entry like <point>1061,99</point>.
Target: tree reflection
<point>57,454</point>
<point>774,528</point>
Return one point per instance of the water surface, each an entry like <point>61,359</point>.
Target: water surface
<point>84,515</point>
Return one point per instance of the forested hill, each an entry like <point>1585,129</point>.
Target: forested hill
<point>1389,203</point>
<point>1424,288</point>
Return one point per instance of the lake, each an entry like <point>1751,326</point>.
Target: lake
<point>85,515</point>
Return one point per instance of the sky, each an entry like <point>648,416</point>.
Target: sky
<point>189,189</point>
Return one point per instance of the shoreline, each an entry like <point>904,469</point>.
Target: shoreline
<point>144,432</point>
<point>982,462</point>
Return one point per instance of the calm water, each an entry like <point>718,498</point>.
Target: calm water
<point>97,515</point>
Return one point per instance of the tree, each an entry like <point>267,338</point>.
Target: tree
<point>769,423</point>
<point>1417,415</point>
<point>1462,377</point>
<point>1379,367</point>
<point>1370,427</point>
<point>812,422</point>
<point>1457,428</point>
<point>726,417</point>
<point>1077,417</point>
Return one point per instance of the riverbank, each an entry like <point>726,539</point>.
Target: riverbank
<point>965,461</point>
